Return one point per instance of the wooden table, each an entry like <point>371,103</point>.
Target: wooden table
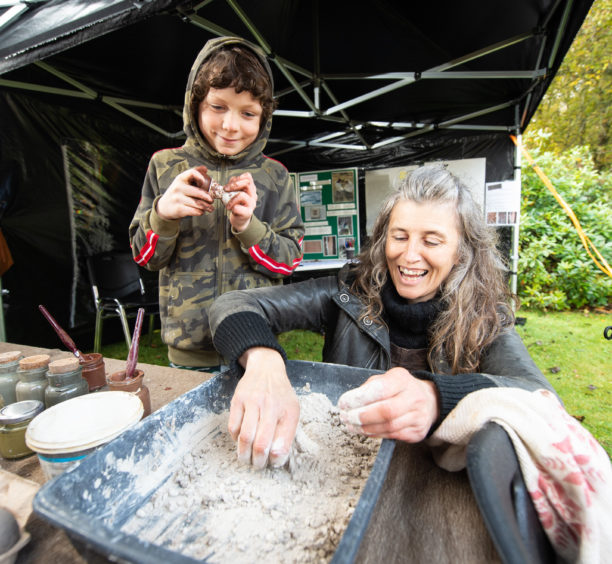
<point>20,479</point>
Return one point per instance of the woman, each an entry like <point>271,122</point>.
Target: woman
<point>428,303</point>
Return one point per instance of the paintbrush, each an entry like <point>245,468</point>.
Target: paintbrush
<point>61,333</point>
<point>132,358</point>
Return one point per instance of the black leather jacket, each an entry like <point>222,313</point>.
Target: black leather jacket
<point>327,304</point>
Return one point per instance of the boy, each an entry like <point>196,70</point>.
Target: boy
<point>202,247</point>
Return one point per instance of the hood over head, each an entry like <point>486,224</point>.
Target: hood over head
<point>190,122</point>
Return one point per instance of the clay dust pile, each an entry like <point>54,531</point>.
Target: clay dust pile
<point>213,507</point>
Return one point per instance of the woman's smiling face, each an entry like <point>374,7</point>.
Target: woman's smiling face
<point>421,248</point>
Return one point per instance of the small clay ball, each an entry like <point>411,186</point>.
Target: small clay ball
<point>9,530</point>
<point>9,356</point>
<point>36,361</point>
<point>63,365</point>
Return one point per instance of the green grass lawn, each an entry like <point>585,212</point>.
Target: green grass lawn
<point>571,351</point>
<point>568,347</point>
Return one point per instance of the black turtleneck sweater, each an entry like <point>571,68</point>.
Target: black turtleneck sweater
<point>408,322</point>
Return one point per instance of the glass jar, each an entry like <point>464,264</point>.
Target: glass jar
<point>94,370</point>
<point>65,381</point>
<point>14,420</point>
<point>32,375</point>
<point>118,382</point>
<point>9,364</point>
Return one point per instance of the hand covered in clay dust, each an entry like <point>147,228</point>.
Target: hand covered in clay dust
<point>186,196</point>
<point>242,205</point>
<point>264,411</point>
<point>393,405</point>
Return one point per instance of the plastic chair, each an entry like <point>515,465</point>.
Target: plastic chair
<point>119,291</point>
<point>504,502</point>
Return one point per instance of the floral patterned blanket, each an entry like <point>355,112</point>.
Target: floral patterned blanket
<point>566,471</point>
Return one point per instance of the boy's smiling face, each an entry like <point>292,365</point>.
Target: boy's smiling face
<point>229,121</point>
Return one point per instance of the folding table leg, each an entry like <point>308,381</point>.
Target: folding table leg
<point>98,331</point>
<point>151,326</point>
<point>126,327</point>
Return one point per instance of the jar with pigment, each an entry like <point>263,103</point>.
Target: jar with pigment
<point>9,364</point>
<point>117,381</point>
<point>65,381</point>
<point>14,420</point>
<point>93,370</point>
<point>69,431</point>
<point>32,376</point>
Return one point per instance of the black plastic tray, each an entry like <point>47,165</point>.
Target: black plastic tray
<point>92,500</point>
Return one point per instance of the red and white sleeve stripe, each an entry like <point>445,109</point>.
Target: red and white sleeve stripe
<point>273,266</point>
<point>148,248</point>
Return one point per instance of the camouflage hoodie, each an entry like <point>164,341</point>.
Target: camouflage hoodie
<point>200,258</point>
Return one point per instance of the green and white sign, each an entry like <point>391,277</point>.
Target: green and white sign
<point>330,210</point>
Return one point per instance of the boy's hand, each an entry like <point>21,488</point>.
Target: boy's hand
<point>241,206</point>
<point>185,197</point>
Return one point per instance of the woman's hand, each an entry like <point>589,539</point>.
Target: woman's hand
<point>185,197</point>
<point>242,205</point>
<point>393,405</point>
<point>264,411</point>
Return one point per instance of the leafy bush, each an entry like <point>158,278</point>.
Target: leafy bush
<point>555,270</point>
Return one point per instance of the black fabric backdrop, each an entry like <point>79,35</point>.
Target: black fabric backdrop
<point>53,146</point>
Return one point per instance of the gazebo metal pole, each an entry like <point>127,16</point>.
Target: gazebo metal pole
<point>516,227</point>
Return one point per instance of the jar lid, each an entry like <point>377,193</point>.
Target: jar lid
<point>62,365</point>
<point>35,361</point>
<point>83,422</point>
<point>9,356</point>
<point>20,411</point>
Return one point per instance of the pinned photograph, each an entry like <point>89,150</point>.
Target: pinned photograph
<point>347,247</point>
<point>314,213</point>
<point>310,198</point>
<point>313,247</point>
<point>343,187</point>
<point>329,246</point>
<point>345,225</point>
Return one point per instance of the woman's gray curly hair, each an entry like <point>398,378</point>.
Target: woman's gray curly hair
<point>475,296</point>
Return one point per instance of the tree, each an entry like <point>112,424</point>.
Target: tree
<point>577,108</point>
<point>555,270</point>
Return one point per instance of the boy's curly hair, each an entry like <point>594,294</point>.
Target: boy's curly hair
<point>238,67</point>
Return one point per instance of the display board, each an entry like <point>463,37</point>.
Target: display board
<point>503,203</point>
<point>329,204</point>
<point>381,182</point>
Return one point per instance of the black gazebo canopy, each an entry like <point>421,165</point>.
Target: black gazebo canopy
<point>360,83</point>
